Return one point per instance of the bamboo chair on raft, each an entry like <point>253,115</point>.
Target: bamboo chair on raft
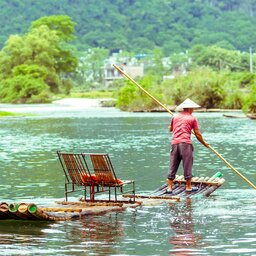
<point>77,174</point>
<point>106,176</point>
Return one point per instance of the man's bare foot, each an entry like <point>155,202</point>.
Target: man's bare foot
<point>192,189</point>
<point>169,186</point>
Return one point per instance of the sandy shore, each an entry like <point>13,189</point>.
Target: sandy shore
<point>56,106</point>
<point>79,102</point>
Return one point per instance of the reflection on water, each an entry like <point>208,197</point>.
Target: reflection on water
<point>23,227</point>
<point>183,226</point>
<point>96,235</point>
<point>139,147</point>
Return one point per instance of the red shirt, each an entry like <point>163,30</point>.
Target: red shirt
<point>182,126</point>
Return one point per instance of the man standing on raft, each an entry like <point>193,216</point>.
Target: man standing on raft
<point>181,127</point>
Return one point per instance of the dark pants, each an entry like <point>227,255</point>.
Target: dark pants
<point>184,152</point>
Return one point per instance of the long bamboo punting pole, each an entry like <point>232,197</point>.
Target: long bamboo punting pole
<point>169,111</point>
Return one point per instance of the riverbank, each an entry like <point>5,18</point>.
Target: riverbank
<point>91,103</point>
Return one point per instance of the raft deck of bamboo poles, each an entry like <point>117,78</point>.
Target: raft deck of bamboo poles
<point>205,187</point>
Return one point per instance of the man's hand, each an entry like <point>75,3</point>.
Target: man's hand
<point>200,138</point>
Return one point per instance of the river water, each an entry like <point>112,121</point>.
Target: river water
<point>138,144</point>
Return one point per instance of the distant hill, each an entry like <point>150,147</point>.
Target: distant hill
<point>141,25</point>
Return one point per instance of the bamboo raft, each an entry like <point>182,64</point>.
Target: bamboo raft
<point>234,116</point>
<point>62,211</point>
<point>251,116</point>
<point>205,185</point>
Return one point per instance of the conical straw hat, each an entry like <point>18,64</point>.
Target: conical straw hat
<point>188,103</point>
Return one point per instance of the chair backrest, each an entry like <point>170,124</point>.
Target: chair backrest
<point>75,168</point>
<point>103,169</point>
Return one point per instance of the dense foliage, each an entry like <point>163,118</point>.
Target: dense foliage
<point>209,88</point>
<point>139,25</point>
<point>212,76</point>
<point>38,63</point>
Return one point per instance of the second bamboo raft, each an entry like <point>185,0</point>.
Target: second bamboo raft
<point>205,187</point>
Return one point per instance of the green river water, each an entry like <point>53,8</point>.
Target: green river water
<point>138,144</point>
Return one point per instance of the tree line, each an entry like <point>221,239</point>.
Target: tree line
<point>139,25</point>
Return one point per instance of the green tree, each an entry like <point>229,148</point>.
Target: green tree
<point>218,58</point>
<point>25,86</point>
<point>248,82</point>
<point>90,69</point>
<point>62,24</point>
<point>202,85</point>
<point>64,28</point>
<point>250,102</point>
<point>23,55</point>
<point>131,98</point>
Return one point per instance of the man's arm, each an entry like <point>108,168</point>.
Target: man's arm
<point>200,138</point>
<point>171,126</point>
